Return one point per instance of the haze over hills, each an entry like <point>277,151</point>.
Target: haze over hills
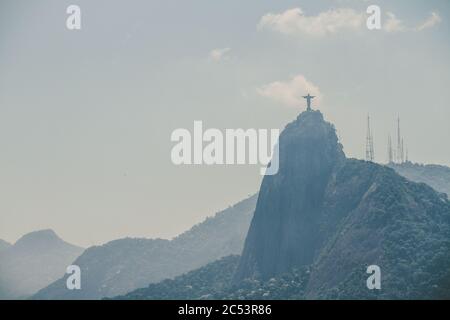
<point>231,225</point>
<point>321,221</point>
<point>127,264</point>
<point>34,261</point>
<point>117,271</point>
<point>123,265</point>
<point>436,176</point>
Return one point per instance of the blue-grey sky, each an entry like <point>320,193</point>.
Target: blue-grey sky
<point>86,115</point>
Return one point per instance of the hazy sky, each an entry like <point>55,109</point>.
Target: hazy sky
<point>86,116</point>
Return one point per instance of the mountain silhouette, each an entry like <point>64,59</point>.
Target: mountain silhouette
<point>436,176</point>
<point>34,261</point>
<point>4,245</point>
<point>317,202</point>
<point>337,216</point>
<point>123,265</point>
<point>286,230</point>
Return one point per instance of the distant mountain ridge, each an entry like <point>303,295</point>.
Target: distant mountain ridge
<point>196,237</point>
<point>34,261</point>
<point>160,259</point>
<point>158,251</point>
<point>123,265</point>
<point>436,176</point>
<point>4,245</point>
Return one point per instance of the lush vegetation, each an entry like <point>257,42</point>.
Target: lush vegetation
<point>209,281</point>
<point>437,177</point>
<point>213,281</point>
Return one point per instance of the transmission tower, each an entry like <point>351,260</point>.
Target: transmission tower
<point>390,151</point>
<point>406,156</point>
<point>400,153</point>
<point>370,156</point>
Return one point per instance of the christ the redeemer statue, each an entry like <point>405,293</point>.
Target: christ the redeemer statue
<point>308,101</point>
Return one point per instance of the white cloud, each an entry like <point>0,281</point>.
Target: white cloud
<point>294,21</point>
<point>393,24</point>
<point>291,92</point>
<point>433,20</point>
<point>219,54</point>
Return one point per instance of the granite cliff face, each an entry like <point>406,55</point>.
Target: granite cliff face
<point>286,229</point>
<point>336,216</point>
